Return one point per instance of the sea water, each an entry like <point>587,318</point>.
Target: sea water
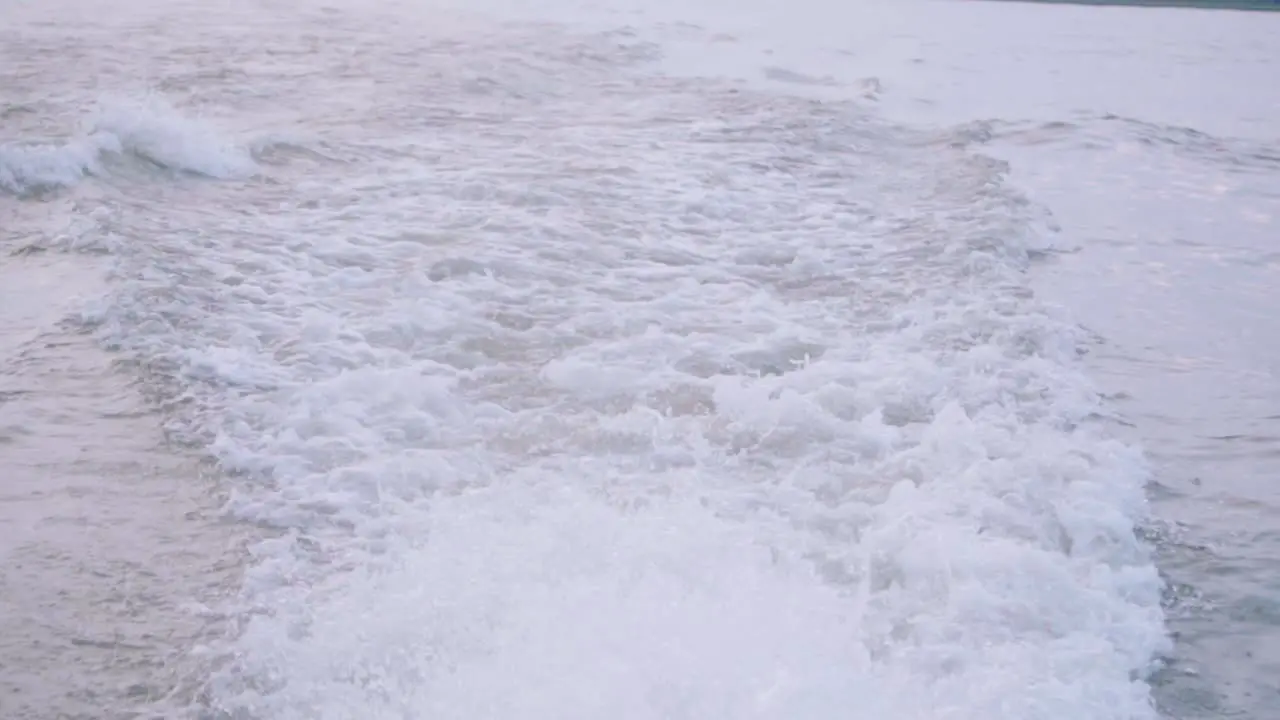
<point>650,361</point>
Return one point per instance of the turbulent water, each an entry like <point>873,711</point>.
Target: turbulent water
<point>552,383</point>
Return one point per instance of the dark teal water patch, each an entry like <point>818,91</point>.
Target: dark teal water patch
<point>1249,5</point>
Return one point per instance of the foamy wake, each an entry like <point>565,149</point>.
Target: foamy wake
<point>641,400</point>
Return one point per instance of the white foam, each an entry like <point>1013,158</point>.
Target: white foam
<point>658,613</point>
<point>1005,587</point>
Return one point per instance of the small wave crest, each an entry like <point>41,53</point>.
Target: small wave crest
<point>30,168</point>
<point>1106,131</point>
<point>150,131</point>
<point>158,133</point>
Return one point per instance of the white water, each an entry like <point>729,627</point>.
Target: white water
<point>561,386</point>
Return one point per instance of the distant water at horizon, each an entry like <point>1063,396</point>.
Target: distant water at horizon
<point>1251,5</point>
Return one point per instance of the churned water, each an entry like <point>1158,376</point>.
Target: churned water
<point>613,361</point>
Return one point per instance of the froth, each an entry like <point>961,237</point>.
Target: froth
<point>556,603</point>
